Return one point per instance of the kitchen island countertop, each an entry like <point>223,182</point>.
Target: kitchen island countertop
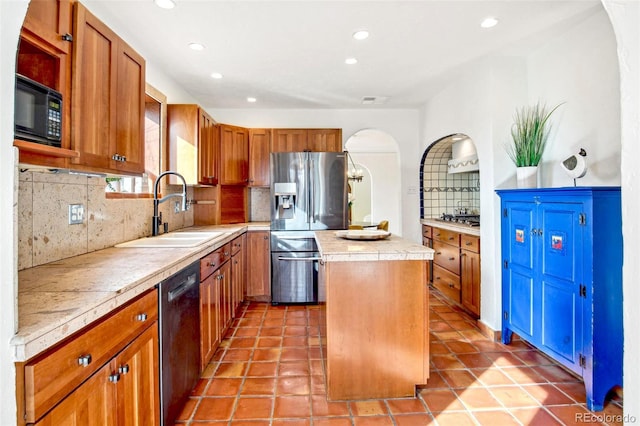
<point>57,299</point>
<point>336,249</point>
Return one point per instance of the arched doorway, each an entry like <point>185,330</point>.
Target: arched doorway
<point>376,153</point>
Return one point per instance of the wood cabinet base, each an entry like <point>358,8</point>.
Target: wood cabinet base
<point>377,329</point>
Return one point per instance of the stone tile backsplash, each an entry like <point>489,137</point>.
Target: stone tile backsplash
<point>44,233</point>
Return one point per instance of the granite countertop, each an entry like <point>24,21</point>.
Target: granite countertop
<point>57,299</point>
<point>457,227</point>
<point>336,249</point>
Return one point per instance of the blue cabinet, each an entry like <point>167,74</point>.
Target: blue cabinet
<point>562,279</point>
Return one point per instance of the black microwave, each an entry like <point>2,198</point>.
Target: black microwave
<point>38,112</point>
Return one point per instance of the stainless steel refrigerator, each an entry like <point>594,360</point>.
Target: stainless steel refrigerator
<point>308,193</point>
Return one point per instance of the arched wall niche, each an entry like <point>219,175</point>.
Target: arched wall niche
<point>442,191</point>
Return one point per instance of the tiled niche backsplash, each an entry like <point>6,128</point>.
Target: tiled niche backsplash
<point>444,192</point>
<point>44,233</point>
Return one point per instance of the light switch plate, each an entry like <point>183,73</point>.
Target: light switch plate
<point>76,214</point>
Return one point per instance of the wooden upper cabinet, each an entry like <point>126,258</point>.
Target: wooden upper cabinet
<point>289,140</point>
<point>297,140</point>
<point>208,150</point>
<point>130,111</point>
<point>234,155</point>
<point>50,20</point>
<point>193,144</point>
<point>108,82</point>
<point>44,55</point>
<point>259,145</point>
<point>322,140</point>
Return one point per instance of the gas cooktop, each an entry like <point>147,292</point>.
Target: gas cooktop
<point>462,219</point>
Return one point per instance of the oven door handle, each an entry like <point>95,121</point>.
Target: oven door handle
<point>299,259</point>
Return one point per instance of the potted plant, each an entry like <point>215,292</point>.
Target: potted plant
<point>529,135</point>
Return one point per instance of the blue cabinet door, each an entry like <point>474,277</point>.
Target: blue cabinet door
<point>518,270</point>
<point>560,274</point>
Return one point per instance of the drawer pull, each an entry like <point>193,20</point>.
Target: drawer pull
<point>450,238</point>
<point>114,378</point>
<point>452,258</point>
<point>438,252</point>
<point>468,243</point>
<point>226,253</point>
<point>210,264</point>
<point>438,234</point>
<point>123,369</point>
<point>84,360</point>
<point>450,285</point>
<point>141,317</point>
<point>463,254</point>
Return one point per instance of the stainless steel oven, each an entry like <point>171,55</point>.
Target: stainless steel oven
<point>294,267</point>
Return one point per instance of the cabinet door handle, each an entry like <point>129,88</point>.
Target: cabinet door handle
<point>450,285</point>
<point>452,258</point>
<point>438,252</point>
<point>141,317</point>
<point>67,37</point>
<point>123,369</point>
<point>463,254</point>
<point>226,253</point>
<point>84,360</point>
<point>265,237</point>
<point>114,378</point>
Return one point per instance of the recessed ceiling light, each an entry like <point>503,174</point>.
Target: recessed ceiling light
<point>351,61</point>
<point>216,75</point>
<point>165,4</point>
<point>489,22</point>
<point>251,99</point>
<point>196,46</point>
<point>361,34</point>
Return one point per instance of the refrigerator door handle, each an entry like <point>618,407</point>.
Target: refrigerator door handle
<point>312,190</point>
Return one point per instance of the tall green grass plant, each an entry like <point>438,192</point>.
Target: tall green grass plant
<point>529,134</point>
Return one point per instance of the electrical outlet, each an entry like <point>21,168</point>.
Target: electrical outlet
<point>76,214</point>
<point>176,207</point>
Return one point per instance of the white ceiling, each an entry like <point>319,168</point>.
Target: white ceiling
<point>290,54</point>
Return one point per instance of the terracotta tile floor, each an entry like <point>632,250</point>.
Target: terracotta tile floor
<point>269,371</point>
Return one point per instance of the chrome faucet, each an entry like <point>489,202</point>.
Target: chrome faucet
<point>157,217</point>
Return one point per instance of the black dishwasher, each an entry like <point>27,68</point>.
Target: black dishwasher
<point>179,340</point>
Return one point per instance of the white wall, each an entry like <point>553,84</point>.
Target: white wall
<point>401,125</point>
<point>625,16</point>
<point>581,69</point>
<point>476,105</point>
<point>11,17</point>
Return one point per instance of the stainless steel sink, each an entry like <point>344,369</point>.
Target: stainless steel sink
<point>175,239</point>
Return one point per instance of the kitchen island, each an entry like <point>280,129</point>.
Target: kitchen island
<point>377,322</point>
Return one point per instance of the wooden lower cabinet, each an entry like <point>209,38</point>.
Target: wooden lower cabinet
<point>90,380</point>
<point>470,273</point>
<point>238,272</point>
<point>455,269</point>
<point>259,266</point>
<point>92,403</point>
<point>209,338</point>
<point>222,277</point>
